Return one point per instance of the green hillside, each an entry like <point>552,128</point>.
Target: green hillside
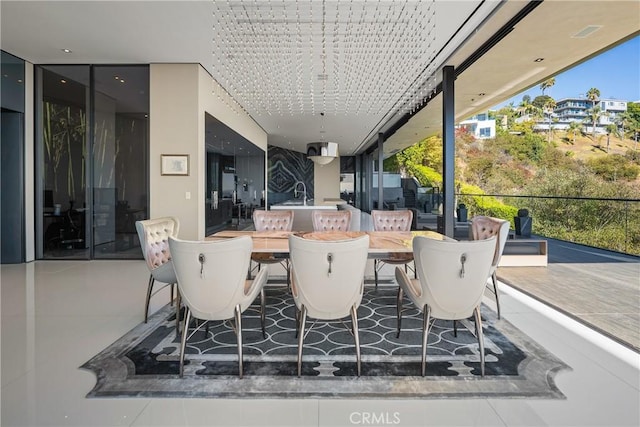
<point>535,164</point>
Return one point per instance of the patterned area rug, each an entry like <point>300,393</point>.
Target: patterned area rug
<point>144,362</point>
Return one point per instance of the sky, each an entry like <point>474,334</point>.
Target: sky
<point>615,73</point>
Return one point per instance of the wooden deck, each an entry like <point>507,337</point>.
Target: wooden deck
<point>597,287</point>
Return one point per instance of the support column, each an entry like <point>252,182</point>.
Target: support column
<point>380,167</point>
<point>448,148</point>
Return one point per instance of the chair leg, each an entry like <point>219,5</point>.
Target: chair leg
<point>480,338</point>
<point>288,268</point>
<point>303,318</point>
<point>426,312</point>
<point>173,285</point>
<point>455,328</point>
<point>178,302</point>
<point>238,314</point>
<point>183,341</point>
<point>495,291</point>
<point>146,304</point>
<point>375,272</point>
<point>297,321</point>
<point>356,335</point>
<point>399,310</point>
<point>262,312</point>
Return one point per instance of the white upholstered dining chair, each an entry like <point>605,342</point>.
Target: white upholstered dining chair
<point>451,280</point>
<point>327,282</point>
<point>327,220</point>
<point>392,221</point>
<point>154,240</point>
<point>213,285</point>
<point>275,220</point>
<point>484,227</point>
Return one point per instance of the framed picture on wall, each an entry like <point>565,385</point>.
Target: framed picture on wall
<point>174,164</point>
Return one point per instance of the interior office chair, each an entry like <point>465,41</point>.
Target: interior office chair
<point>326,220</point>
<point>212,281</point>
<point>484,227</point>
<point>451,280</point>
<point>154,240</point>
<point>272,221</point>
<point>327,282</point>
<point>392,221</point>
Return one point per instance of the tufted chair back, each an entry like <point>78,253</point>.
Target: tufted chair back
<point>273,220</point>
<point>392,220</point>
<point>324,220</point>
<point>485,227</point>
<point>154,239</point>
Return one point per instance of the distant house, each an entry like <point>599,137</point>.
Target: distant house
<point>578,110</point>
<point>480,126</point>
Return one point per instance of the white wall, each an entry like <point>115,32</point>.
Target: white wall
<point>326,181</point>
<point>173,129</point>
<point>180,94</point>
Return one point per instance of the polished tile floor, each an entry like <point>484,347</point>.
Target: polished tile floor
<point>57,314</point>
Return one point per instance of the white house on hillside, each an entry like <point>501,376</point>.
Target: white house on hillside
<point>480,125</point>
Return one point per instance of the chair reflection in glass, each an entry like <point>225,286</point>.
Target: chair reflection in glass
<point>327,283</point>
<point>451,280</point>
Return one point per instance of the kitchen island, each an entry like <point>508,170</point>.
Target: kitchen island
<point>302,212</point>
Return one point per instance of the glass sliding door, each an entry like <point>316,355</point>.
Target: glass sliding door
<point>91,148</point>
<point>119,160</point>
<point>62,217</point>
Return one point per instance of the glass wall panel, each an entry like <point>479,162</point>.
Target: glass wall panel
<point>92,151</point>
<point>235,178</point>
<point>62,152</point>
<point>119,161</point>
<point>348,179</point>
<point>12,146</point>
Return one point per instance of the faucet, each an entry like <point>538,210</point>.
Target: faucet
<point>304,191</point>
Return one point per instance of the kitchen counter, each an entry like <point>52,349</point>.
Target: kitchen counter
<point>302,213</point>
<point>297,204</point>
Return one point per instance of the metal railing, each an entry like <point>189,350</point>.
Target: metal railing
<point>609,223</point>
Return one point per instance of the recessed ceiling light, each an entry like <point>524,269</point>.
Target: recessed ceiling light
<point>121,80</point>
<point>116,77</point>
<point>538,60</point>
<point>66,50</point>
<point>63,81</point>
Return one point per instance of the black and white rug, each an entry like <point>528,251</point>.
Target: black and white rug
<point>144,362</point>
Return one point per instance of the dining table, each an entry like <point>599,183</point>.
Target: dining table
<point>382,244</point>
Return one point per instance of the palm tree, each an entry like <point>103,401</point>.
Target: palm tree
<point>611,129</point>
<point>548,108</point>
<point>574,128</point>
<point>593,95</point>
<point>547,84</point>
<point>525,107</point>
<point>624,121</point>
